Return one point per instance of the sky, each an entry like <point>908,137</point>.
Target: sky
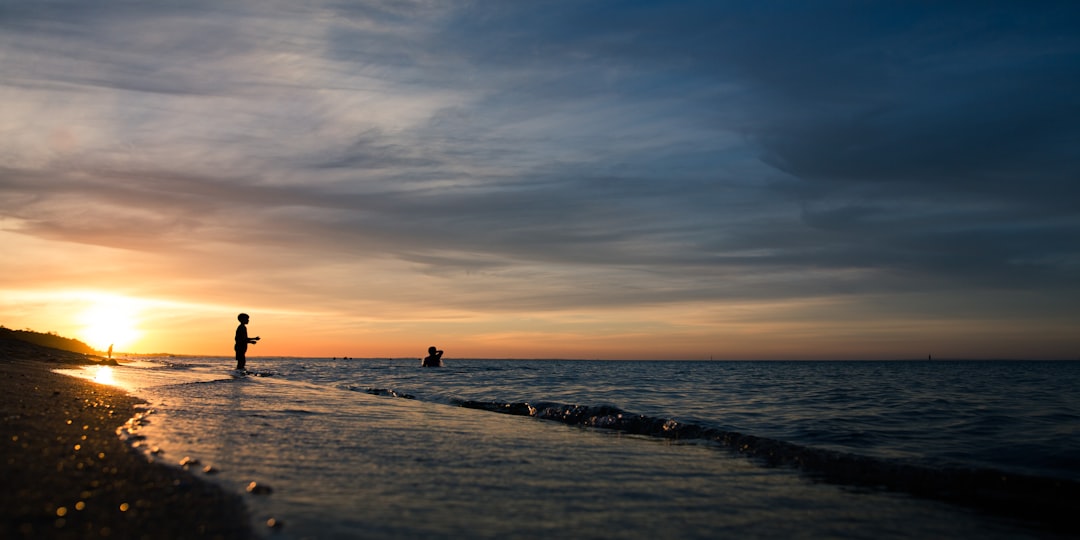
<point>544,179</point>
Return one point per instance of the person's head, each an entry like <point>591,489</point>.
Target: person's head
<point>432,350</point>
<point>243,317</point>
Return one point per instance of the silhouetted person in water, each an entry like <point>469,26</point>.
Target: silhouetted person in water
<point>242,341</point>
<point>434,358</point>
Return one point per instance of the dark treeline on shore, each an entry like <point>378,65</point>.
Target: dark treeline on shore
<point>50,340</point>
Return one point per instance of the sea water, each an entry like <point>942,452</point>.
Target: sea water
<point>381,448</point>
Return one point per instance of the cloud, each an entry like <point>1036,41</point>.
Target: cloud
<point>553,155</point>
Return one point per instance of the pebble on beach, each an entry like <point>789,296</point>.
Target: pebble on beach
<point>256,488</point>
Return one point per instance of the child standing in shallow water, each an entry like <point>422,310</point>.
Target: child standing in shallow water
<point>242,341</point>
<point>434,358</point>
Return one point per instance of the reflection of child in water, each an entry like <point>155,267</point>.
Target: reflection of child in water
<point>434,358</point>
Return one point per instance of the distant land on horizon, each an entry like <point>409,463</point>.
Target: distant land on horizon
<point>50,339</point>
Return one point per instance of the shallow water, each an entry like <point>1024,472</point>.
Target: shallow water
<point>344,462</point>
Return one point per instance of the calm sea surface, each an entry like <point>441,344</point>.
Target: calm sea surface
<point>380,448</point>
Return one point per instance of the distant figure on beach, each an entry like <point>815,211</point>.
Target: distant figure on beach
<point>110,351</point>
<point>242,341</point>
<point>433,359</point>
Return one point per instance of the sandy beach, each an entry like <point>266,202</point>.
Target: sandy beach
<point>67,474</point>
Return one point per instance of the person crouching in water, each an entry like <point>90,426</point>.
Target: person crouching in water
<point>433,359</point>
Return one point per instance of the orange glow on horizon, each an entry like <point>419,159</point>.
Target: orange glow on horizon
<point>679,331</point>
<point>109,321</point>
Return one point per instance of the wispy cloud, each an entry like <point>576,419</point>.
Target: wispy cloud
<point>552,156</point>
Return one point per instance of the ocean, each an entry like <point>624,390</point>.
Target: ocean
<point>381,448</point>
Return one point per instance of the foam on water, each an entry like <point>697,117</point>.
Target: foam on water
<point>347,457</point>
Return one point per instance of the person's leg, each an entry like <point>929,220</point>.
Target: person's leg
<point>241,361</point>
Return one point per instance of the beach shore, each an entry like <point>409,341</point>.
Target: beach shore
<point>67,474</point>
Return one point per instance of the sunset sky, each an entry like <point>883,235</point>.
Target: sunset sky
<point>536,179</point>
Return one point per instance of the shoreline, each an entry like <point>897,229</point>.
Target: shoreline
<point>68,474</point>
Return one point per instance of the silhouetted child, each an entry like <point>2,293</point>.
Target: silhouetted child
<point>242,341</point>
<point>433,359</point>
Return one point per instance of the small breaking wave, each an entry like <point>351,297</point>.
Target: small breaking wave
<point>385,392</point>
<point>1047,500</point>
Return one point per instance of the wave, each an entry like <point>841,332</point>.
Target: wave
<point>386,392</point>
<point>1049,501</point>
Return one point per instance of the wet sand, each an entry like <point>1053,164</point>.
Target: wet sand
<point>66,474</point>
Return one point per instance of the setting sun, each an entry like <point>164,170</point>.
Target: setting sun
<point>110,322</point>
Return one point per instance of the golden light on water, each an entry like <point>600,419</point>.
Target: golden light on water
<point>104,375</point>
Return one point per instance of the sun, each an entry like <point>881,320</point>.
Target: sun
<point>110,322</point>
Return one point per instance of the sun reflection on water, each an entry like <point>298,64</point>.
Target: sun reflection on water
<point>104,375</point>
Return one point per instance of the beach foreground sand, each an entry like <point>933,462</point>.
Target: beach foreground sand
<point>66,474</point>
